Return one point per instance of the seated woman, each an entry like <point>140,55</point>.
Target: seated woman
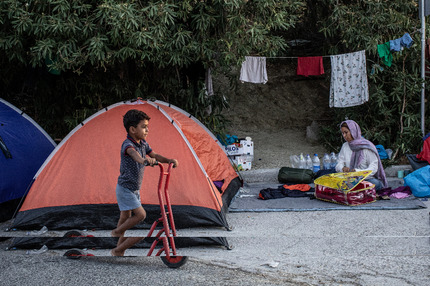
<point>358,154</point>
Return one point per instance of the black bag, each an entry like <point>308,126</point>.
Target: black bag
<point>295,175</point>
<point>416,163</point>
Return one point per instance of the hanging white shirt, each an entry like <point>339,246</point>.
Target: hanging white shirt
<point>369,162</point>
<point>254,70</point>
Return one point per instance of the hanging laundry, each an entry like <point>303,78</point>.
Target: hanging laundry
<point>348,85</point>
<point>404,42</point>
<point>385,53</point>
<point>208,83</point>
<point>209,89</point>
<point>310,66</point>
<point>254,70</point>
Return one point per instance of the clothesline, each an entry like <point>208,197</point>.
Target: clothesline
<point>348,87</point>
<point>413,32</point>
<point>295,57</point>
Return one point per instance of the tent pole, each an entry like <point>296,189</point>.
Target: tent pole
<point>423,32</point>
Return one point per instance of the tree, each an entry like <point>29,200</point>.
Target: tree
<point>392,115</point>
<point>109,50</point>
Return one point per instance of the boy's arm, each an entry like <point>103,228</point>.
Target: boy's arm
<point>136,156</point>
<point>163,159</point>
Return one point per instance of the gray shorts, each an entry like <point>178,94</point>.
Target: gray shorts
<point>127,199</point>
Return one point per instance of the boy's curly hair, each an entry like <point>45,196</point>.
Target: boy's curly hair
<point>133,117</point>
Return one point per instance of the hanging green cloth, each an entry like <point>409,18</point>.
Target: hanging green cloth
<point>385,53</point>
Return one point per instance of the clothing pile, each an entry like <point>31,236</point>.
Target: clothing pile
<point>287,190</point>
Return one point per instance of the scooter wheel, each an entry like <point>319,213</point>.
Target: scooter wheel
<point>73,254</point>
<point>174,261</point>
<point>73,233</point>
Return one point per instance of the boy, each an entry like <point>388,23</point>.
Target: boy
<point>133,159</point>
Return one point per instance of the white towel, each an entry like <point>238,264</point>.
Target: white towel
<point>209,89</point>
<point>348,85</point>
<point>208,83</point>
<point>254,70</point>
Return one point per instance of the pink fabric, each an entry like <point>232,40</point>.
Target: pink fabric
<point>310,66</point>
<point>399,195</point>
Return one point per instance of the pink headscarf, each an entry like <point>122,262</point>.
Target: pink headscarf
<point>357,145</point>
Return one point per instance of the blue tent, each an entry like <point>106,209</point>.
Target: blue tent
<point>24,147</point>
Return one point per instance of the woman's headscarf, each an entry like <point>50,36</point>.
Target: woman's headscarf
<point>357,145</point>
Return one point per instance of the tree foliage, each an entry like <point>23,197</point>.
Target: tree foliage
<point>109,50</point>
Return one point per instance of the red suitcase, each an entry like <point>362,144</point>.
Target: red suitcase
<point>345,188</point>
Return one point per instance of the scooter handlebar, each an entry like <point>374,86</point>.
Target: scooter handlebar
<point>147,163</point>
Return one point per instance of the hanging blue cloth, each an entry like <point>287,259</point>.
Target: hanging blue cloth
<point>404,42</point>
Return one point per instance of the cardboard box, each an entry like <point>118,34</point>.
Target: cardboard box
<point>244,162</point>
<point>244,147</point>
<point>232,149</point>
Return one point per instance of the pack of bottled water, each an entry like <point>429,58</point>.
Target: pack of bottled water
<point>302,161</point>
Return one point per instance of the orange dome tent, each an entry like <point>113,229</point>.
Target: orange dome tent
<point>75,187</point>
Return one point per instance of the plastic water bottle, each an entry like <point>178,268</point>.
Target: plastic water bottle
<point>43,249</point>
<point>333,160</point>
<point>316,163</point>
<point>326,162</point>
<point>309,164</point>
<point>302,163</point>
<point>43,230</point>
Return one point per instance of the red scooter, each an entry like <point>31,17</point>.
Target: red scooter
<point>170,257</point>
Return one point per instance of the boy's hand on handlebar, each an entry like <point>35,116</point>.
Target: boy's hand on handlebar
<point>151,161</point>
<point>174,162</point>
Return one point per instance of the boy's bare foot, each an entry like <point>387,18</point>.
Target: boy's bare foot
<point>113,252</point>
<point>116,234</point>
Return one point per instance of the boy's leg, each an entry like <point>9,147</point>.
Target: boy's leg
<point>139,215</point>
<point>124,215</point>
<point>126,242</point>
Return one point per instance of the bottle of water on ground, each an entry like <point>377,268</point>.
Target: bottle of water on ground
<point>333,160</point>
<point>326,162</point>
<point>309,164</point>
<point>43,249</point>
<point>316,163</point>
<point>302,162</point>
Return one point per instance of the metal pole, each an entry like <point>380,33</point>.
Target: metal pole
<point>423,59</point>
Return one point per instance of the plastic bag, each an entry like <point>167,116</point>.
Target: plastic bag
<point>419,182</point>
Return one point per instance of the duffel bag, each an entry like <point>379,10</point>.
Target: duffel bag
<point>295,175</point>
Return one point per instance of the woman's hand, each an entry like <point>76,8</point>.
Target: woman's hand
<point>345,169</point>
